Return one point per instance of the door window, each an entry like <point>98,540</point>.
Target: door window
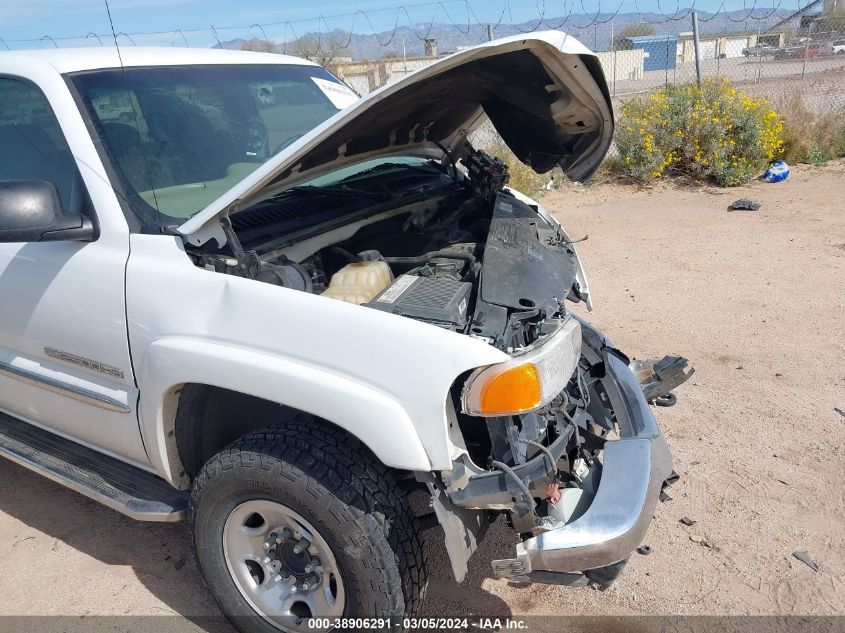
<point>32,146</point>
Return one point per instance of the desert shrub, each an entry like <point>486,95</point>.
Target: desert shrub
<point>818,155</point>
<point>810,136</point>
<point>712,133</point>
<point>522,177</point>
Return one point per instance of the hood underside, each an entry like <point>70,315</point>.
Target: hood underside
<point>545,95</point>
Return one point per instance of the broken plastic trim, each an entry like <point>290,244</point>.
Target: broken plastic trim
<point>659,377</point>
<point>634,469</point>
<point>495,489</point>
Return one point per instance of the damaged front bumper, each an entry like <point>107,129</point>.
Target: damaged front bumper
<point>595,546</point>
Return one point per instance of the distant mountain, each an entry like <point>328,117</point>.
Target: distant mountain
<point>449,38</point>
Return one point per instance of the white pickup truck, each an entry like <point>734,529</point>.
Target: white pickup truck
<point>235,293</point>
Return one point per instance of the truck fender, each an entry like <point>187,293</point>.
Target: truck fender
<point>376,419</point>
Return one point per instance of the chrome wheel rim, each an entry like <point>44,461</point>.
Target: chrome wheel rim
<point>281,565</point>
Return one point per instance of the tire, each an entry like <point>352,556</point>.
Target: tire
<point>337,488</point>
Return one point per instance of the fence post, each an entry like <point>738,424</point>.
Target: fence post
<point>696,44</point>
<point>613,47</point>
<point>489,32</point>
<point>759,55</point>
<point>804,65</point>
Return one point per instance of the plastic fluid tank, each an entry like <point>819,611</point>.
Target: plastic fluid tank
<point>359,282</point>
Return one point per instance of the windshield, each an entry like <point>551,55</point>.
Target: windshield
<point>346,175</point>
<point>180,136</point>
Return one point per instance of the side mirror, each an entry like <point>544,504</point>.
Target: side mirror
<point>31,211</point>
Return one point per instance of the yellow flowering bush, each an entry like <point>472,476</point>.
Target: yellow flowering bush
<point>711,132</point>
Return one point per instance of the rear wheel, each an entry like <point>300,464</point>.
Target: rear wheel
<point>300,522</point>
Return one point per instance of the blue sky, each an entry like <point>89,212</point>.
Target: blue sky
<point>32,19</point>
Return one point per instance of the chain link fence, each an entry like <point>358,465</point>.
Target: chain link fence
<point>793,56</point>
<point>797,64</point>
<point>793,59</point>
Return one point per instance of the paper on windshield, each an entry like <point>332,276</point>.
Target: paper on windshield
<point>341,96</point>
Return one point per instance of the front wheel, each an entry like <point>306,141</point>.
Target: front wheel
<point>289,524</point>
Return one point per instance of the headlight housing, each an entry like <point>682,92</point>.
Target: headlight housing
<point>527,381</point>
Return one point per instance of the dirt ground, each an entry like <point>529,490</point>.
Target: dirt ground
<point>756,301</point>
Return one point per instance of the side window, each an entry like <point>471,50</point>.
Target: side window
<point>32,146</point>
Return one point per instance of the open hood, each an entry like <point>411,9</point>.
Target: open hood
<point>545,94</point>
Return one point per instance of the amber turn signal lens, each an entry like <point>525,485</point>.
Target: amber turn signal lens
<point>515,390</point>
<point>527,380</point>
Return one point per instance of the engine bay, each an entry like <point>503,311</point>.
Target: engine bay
<point>452,248</point>
<point>459,251</point>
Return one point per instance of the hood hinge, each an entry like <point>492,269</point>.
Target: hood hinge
<point>249,264</point>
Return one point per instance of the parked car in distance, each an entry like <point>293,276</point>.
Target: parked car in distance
<point>839,46</point>
<point>799,51</point>
<point>760,50</point>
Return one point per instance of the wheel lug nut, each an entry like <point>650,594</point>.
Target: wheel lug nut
<point>315,564</point>
<point>301,546</point>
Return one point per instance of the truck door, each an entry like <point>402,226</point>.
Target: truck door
<point>64,352</point>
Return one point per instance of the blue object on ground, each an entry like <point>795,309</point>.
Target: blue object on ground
<point>778,172</point>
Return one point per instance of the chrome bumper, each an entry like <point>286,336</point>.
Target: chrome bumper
<point>634,470</point>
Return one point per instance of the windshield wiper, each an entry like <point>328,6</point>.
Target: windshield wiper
<point>334,191</point>
<point>433,171</point>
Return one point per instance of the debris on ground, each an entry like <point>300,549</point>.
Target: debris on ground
<point>179,564</point>
<point>778,172</point>
<point>701,540</point>
<point>744,204</point>
<point>804,557</point>
<point>839,411</point>
<point>645,550</point>
<point>781,481</point>
<point>687,521</point>
<point>664,497</point>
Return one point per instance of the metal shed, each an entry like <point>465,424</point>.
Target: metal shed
<point>661,50</point>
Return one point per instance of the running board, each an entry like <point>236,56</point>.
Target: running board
<point>127,489</point>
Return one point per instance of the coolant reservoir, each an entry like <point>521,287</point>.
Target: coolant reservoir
<point>360,282</point>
